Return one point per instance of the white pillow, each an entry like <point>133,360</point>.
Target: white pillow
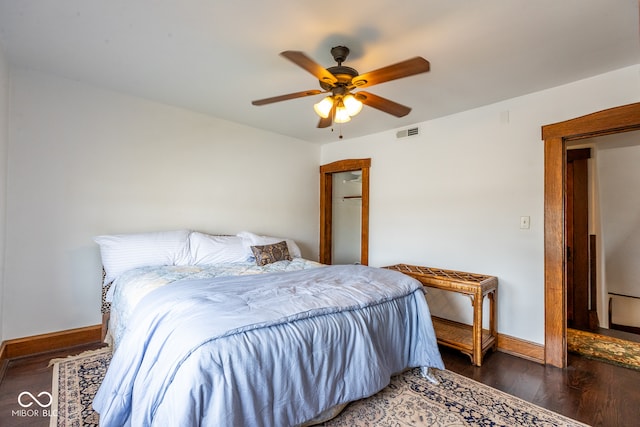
<point>251,239</point>
<point>208,249</point>
<point>122,252</point>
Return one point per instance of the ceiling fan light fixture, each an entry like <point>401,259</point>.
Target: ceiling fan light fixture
<point>338,81</point>
<point>323,108</point>
<point>353,105</point>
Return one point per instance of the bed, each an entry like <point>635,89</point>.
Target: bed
<point>234,330</point>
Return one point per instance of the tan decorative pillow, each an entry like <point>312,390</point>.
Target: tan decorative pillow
<point>267,254</point>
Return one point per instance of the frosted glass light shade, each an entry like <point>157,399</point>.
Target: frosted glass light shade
<point>352,105</point>
<point>323,108</point>
<point>342,115</point>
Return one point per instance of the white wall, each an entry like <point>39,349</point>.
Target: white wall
<point>453,196</point>
<point>619,180</point>
<point>4,101</point>
<point>618,157</point>
<point>84,161</point>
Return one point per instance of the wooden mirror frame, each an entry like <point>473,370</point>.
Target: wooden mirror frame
<point>614,120</point>
<point>326,206</point>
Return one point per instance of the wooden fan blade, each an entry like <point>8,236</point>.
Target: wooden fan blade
<point>303,61</point>
<point>286,97</point>
<point>382,104</point>
<point>325,123</point>
<point>402,69</point>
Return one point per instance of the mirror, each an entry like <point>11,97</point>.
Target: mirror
<point>346,217</point>
<point>344,236</point>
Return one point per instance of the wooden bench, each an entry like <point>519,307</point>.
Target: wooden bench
<point>472,340</point>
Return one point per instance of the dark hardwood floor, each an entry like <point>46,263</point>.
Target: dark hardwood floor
<point>31,374</point>
<point>595,393</point>
<point>592,392</point>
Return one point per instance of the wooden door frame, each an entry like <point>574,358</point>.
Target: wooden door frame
<point>614,120</point>
<point>326,206</point>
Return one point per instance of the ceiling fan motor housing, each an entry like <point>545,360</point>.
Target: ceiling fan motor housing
<point>342,73</point>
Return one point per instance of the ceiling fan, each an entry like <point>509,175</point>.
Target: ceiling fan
<point>340,81</point>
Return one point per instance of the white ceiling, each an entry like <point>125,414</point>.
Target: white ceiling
<point>217,56</point>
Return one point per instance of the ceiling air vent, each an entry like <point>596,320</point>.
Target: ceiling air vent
<point>407,132</point>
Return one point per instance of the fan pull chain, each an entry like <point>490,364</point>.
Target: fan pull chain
<point>339,136</point>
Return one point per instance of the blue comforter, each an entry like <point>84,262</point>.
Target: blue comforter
<point>269,350</point>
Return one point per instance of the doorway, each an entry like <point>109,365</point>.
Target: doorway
<point>615,120</point>
<point>356,167</point>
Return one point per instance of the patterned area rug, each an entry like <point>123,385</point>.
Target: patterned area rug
<point>410,400</point>
<point>604,348</point>
<point>75,381</point>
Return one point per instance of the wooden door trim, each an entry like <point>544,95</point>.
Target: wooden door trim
<point>326,206</point>
<point>614,120</point>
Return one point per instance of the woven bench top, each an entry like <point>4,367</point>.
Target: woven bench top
<point>459,276</point>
